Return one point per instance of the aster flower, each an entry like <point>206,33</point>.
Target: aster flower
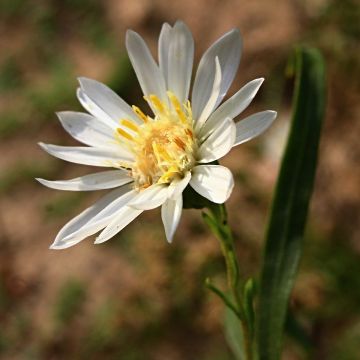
<point>153,158</point>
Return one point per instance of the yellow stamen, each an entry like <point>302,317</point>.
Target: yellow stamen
<point>140,114</point>
<point>164,154</point>
<point>130,125</point>
<point>160,153</point>
<point>187,107</point>
<point>173,171</point>
<point>189,133</point>
<point>177,106</point>
<point>158,104</point>
<point>180,143</point>
<point>124,134</point>
<point>156,151</point>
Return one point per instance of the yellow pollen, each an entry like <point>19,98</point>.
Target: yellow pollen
<point>140,114</point>
<point>163,146</point>
<point>124,134</point>
<point>130,125</point>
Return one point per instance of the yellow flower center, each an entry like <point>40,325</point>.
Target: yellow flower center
<point>163,146</point>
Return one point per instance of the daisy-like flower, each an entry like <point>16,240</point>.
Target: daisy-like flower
<point>155,157</point>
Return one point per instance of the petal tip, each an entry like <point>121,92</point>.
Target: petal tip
<point>130,33</point>
<point>181,24</point>
<point>132,39</point>
<point>236,34</point>
<point>98,241</point>
<point>273,114</point>
<point>81,79</point>
<point>169,239</point>
<point>54,246</point>
<point>61,115</point>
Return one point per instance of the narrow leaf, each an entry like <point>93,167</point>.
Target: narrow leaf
<point>227,302</point>
<point>234,334</point>
<point>249,298</point>
<point>286,225</point>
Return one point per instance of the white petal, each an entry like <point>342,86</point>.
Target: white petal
<point>124,197</point>
<point>150,198</point>
<point>214,182</point>
<point>232,107</point>
<point>87,129</point>
<point>253,126</point>
<point>98,181</point>
<point>170,215</point>
<point>219,143</point>
<point>177,186</point>
<point>104,217</point>
<point>82,219</point>
<point>209,107</point>
<point>147,71</point>
<point>103,98</point>
<point>228,50</point>
<point>89,155</point>
<point>95,110</point>
<point>122,219</point>
<point>180,61</point>
<point>163,48</point>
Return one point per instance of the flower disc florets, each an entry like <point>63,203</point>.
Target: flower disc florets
<point>164,146</point>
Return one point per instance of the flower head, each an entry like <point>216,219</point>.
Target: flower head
<point>155,157</point>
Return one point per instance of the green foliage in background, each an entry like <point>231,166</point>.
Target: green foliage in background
<point>69,302</point>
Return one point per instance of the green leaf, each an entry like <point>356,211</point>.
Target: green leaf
<point>295,329</point>
<point>234,334</point>
<point>286,225</point>
<point>225,299</point>
<point>249,298</point>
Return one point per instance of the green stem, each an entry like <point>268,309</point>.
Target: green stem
<point>218,223</point>
<point>223,297</point>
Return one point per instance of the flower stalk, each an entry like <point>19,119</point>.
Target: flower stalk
<point>218,223</point>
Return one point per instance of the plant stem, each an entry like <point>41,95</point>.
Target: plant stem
<point>219,225</point>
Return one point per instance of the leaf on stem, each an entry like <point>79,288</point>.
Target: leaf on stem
<point>286,225</point>
<point>227,302</point>
<point>234,335</point>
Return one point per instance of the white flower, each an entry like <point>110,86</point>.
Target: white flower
<point>155,157</point>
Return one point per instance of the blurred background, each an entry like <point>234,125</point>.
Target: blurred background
<point>136,297</point>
